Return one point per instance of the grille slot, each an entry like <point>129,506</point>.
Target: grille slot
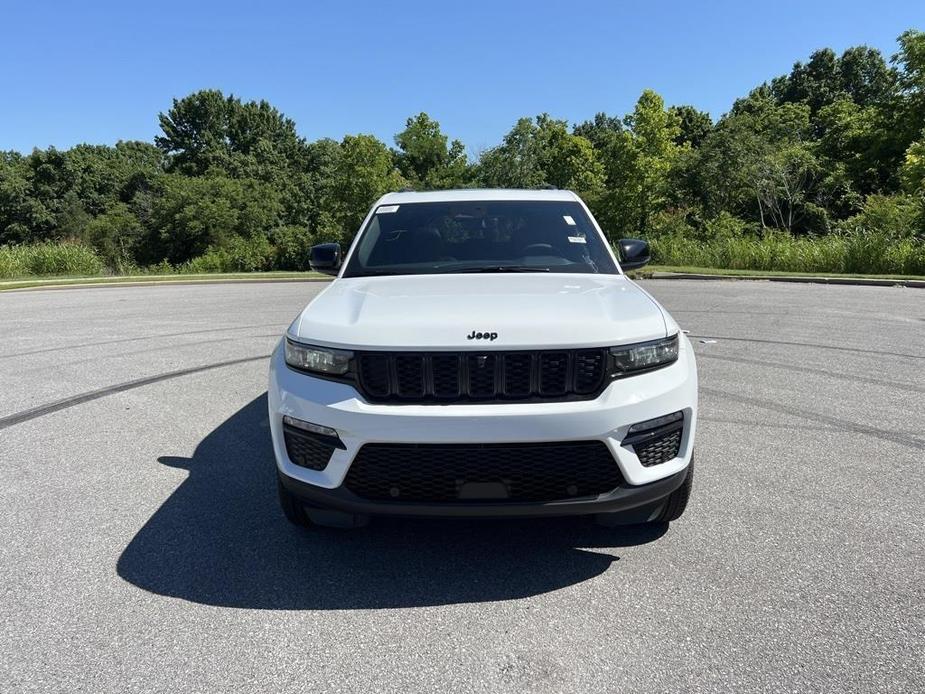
<point>481,376</point>
<point>306,451</point>
<point>589,370</point>
<point>374,375</point>
<point>445,374</point>
<point>553,373</point>
<point>448,473</point>
<point>481,369</point>
<point>518,372</point>
<point>409,376</point>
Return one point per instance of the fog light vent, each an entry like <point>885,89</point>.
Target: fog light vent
<point>309,445</point>
<point>656,441</point>
<point>656,423</point>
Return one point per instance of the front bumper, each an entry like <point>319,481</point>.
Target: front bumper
<point>607,418</point>
<point>623,499</point>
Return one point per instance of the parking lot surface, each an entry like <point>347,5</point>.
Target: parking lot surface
<point>142,549</point>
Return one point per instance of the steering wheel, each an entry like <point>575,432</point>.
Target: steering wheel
<point>538,249</point>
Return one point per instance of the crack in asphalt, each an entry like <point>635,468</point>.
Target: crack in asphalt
<point>58,405</point>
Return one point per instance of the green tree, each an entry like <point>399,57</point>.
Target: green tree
<point>543,152</point>
<point>209,132</point>
<point>694,125</point>
<point>865,76</point>
<point>323,160</point>
<point>364,172</point>
<point>638,167</point>
<point>425,158</point>
<point>601,131</point>
<point>515,163</point>
<point>192,215</point>
<point>116,235</point>
<point>912,172</point>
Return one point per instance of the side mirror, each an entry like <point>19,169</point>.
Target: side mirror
<point>325,257</point>
<point>634,253</point>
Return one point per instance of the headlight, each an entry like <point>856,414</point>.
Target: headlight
<point>318,359</point>
<point>645,355</point>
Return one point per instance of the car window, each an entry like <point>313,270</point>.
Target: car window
<point>445,237</point>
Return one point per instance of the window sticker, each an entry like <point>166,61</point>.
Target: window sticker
<point>568,220</point>
<point>577,239</point>
<point>387,209</point>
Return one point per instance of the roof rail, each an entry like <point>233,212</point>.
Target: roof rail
<point>546,186</point>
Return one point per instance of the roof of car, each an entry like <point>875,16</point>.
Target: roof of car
<point>471,194</point>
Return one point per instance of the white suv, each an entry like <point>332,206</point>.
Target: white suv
<point>481,353</point>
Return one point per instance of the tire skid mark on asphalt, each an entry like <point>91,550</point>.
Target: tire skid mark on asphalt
<point>58,405</point>
<point>902,439</point>
<point>813,345</point>
<point>158,336</point>
<point>150,350</point>
<point>751,423</point>
<point>810,370</point>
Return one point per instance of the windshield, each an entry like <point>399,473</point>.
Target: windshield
<point>476,236</point>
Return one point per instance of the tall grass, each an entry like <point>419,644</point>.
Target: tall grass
<point>856,253</point>
<point>49,259</point>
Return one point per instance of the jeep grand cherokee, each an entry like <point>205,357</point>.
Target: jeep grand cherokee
<point>482,353</point>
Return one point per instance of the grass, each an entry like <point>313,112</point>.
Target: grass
<point>848,254</point>
<point>177,278</point>
<point>687,269</point>
<point>49,259</point>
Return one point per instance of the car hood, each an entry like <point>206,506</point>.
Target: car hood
<point>525,311</point>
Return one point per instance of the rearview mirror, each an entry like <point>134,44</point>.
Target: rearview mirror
<point>325,257</point>
<point>634,253</point>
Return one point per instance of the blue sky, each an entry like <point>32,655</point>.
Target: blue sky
<point>101,71</point>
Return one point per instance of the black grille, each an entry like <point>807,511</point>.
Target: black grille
<point>482,472</point>
<point>480,376</point>
<point>659,450</point>
<point>306,451</point>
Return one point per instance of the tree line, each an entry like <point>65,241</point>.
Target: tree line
<point>835,147</point>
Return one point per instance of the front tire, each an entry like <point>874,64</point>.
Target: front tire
<point>676,502</point>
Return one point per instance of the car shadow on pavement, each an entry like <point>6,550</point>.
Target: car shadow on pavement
<point>221,539</point>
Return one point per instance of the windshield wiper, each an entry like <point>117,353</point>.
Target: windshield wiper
<point>500,268</point>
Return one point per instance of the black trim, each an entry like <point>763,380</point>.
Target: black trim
<point>332,441</point>
<point>623,498</point>
<point>573,393</point>
<point>643,436</point>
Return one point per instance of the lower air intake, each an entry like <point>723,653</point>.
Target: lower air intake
<point>447,473</point>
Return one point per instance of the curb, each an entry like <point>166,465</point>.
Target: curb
<point>144,283</point>
<point>798,279</point>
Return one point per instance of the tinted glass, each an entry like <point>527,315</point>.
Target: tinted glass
<point>507,236</point>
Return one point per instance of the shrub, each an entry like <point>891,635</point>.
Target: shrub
<point>293,246</point>
<point>237,255</point>
<point>115,235</point>
<point>893,216</point>
<point>670,223</point>
<point>724,226</point>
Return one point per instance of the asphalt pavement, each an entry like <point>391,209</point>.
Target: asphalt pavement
<point>142,549</point>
